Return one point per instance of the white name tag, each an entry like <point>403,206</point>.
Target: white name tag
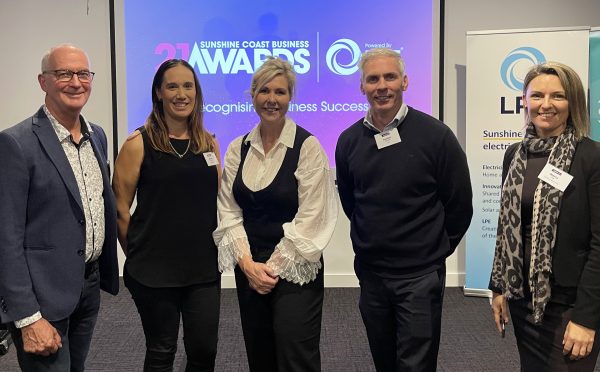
<point>211,158</point>
<point>388,138</point>
<point>555,177</point>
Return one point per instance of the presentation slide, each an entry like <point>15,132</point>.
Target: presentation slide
<point>227,41</point>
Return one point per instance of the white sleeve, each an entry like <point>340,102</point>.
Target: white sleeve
<point>29,320</point>
<point>297,255</point>
<point>230,236</point>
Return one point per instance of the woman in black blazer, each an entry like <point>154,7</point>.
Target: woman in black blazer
<point>547,260</point>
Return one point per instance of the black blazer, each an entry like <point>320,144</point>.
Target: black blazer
<point>576,252</point>
<point>42,230</point>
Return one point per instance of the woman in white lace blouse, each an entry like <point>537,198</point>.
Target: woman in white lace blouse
<point>277,212</point>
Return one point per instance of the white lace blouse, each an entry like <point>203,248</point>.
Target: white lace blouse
<point>296,256</point>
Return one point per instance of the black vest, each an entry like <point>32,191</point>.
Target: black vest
<point>265,211</point>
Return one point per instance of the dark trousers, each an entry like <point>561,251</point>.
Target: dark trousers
<point>282,329</point>
<point>403,319</point>
<point>160,310</point>
<point>75,332</point>
<point>540,345</point>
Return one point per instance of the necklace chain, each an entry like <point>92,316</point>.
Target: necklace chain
<point>185,152</point>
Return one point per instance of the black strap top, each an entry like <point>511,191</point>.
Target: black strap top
<point>169,239</point>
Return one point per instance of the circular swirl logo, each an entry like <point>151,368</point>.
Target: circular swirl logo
<point>333,56</point>
<point>512,71</point>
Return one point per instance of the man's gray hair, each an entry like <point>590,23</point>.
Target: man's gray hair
<point>380,52</point>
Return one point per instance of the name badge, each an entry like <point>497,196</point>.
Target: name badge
<point>555,177</point>
<point>388,138</point>
<point>211,158</point>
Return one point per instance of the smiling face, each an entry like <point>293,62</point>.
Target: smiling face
<point>177,93</point>
<point>271,101</point>
<point>65,98</point>
<point>547,105</point>
<point>383,84</point>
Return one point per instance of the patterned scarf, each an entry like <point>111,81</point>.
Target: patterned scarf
<point>507,272</point>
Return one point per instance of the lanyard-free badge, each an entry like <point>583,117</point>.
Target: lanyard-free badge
<point>387,138</point>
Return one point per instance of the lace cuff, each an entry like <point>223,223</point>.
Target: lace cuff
<point>231,250</point>
<point>291,266</point>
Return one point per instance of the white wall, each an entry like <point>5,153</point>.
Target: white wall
<point>29,27</point>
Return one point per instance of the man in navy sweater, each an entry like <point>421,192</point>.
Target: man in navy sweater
<point>404,184</point>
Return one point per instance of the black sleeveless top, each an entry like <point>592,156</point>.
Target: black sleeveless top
<point>265,211</point>
<point>169,239</point>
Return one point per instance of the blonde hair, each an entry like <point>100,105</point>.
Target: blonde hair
<point>272,67</point>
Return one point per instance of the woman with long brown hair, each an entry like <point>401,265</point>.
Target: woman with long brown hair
<point>171,165</point>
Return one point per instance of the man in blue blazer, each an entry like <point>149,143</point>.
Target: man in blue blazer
<point>58,221</point>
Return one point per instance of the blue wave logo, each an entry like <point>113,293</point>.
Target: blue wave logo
<point>333,55</point>
<point>509,71</point>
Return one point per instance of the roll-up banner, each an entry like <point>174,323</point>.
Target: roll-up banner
<point>497,62</point>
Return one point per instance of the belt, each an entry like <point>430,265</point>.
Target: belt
<point>90,267</point>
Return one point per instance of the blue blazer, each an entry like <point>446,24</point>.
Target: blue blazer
<point>42,224</point>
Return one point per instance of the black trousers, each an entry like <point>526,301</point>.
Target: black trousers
<point>403,319</point>
<point>540,346</point>
<point>160,310</point>
<point>282,329</point>
<point>75,332</point>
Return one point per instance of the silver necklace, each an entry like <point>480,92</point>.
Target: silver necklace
<point>185,152</point>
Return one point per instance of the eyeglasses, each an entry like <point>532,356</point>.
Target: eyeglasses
<point>67,75</point>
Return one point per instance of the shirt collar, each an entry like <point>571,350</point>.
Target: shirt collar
<point>396,121</point>
<point>61,132</point>
<point>287,136</point>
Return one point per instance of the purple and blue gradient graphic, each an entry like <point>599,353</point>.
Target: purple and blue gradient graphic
<point>226,41</point>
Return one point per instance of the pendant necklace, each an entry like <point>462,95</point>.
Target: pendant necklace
<point>185,152</point>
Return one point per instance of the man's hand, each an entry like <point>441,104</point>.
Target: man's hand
<point>578,341</point>
<point>41,338</point>
<point>260,277</point>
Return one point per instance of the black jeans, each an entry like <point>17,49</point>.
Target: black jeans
<point>403,319</point>
<point>160,310</point>
<point>75,332</point>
